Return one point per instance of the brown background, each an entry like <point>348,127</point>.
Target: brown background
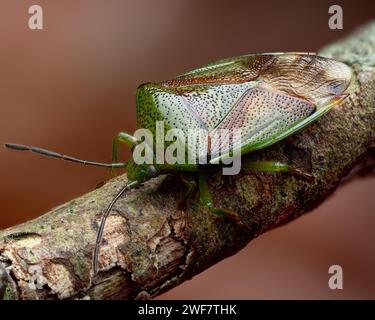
<point>71,86</point>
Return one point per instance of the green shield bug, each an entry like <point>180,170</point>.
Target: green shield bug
<point>266,97</point>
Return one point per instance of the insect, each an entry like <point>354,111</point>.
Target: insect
<point>267,96</point>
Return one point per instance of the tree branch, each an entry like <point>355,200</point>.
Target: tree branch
<point>151,246</point>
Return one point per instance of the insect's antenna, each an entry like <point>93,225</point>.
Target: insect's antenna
<point>52,154</point>
<point>99,236</point>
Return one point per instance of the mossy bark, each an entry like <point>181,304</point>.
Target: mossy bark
<point>150,245</point>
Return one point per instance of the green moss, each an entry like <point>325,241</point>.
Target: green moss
<point>80,268</point>
<point>9,294</point>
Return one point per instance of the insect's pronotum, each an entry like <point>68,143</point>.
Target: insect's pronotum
<point>267,96</point>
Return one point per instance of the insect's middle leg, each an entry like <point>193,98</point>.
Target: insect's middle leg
<point>207,201</point>
<point>190,182</point>
<point>123,137</point>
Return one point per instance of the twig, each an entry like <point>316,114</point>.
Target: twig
<point>151,246</point>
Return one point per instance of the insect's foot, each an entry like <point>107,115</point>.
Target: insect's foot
<point>302,174</point>
<point>229,215</point>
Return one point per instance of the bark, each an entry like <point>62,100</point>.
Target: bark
<point>150,245</point>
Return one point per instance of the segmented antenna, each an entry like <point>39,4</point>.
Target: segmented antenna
<point>52,154</point>
<point>99,236</point>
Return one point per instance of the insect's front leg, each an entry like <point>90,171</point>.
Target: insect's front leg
<point>123,137</point>
<point>274,166</point>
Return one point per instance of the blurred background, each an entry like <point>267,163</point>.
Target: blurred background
<point>71,87</point>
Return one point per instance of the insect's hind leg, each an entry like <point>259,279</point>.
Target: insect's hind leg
<point>274,166</point>
<point>123,137</point>
<point>207,201</point>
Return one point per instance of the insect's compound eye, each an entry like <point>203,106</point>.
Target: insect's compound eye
<point>152,172</point>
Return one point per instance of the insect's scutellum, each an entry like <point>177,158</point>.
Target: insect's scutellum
<point>266,97</point>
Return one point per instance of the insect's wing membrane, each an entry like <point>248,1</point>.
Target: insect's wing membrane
<point>314,78</point>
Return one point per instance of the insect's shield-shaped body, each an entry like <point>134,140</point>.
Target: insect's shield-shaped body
<point>238,105</point>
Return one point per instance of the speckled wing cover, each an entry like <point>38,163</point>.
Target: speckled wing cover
<point>267,96</point>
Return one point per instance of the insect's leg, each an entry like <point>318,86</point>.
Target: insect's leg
<point>206,199</point>
<point>274,166</point>
<point>124,137</point>
<point>190,182</point>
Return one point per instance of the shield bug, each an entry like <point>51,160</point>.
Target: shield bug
<point>267,96</point>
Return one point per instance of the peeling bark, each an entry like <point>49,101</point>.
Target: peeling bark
<point>151,246</point>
